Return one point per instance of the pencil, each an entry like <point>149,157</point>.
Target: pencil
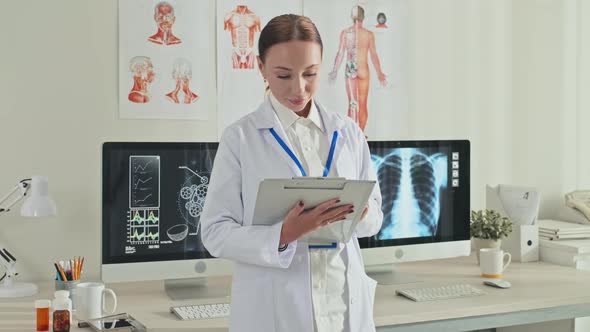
<point>77,268</point>
<point>64,273</point>
<point>81,265</point>
<point>61,272</point>
<point>58,276</point>
<point>74,268</point>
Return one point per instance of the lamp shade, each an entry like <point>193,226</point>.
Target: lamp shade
<point>38,204</point>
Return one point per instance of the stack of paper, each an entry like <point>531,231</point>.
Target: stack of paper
<point>573,253</point>
<point>559,230</point>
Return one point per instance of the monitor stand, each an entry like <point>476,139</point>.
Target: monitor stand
<point>389,274</point>
<point>196,288</point>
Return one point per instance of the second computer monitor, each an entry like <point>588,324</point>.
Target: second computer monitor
<point>152,199</point>
<point>425,191</point>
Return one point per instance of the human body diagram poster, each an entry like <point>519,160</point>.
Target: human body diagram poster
<point>240,85</point>
<point>165,59</point>
<point>364,70</point>
<point>182,59</point>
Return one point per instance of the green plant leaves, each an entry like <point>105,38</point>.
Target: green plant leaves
<point>489,225</point>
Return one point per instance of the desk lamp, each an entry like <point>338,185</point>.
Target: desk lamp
<point>37,204</point>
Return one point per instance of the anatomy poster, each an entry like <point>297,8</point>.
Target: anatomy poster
<point>364,70</point>
<point>240,85</point>
<point>166,62</point>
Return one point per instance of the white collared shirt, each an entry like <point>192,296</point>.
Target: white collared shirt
<point>311,144</point>
<point>305,135</point>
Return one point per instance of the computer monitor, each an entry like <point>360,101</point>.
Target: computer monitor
<point>152,198</point>
<point>425,191</point>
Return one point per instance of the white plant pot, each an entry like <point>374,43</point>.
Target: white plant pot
<point>484,243</point>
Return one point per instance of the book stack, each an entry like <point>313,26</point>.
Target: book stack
<point>561,230</point>
<point>572,253</point>
<point>564,243</point>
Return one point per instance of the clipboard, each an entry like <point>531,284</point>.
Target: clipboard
<point>276,197</point>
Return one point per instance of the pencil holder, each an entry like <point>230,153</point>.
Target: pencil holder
<point>69,286</point>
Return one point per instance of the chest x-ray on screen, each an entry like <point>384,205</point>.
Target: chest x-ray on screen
<point>414,188</point>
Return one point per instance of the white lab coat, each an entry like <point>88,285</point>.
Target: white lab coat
<point>271,291</point>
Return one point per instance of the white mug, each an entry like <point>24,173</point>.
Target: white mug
<point>491,262</point>
<point>90,300</point>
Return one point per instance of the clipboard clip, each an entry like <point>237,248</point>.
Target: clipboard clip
<point>306,186</point>
<point>316,183</point>
<point>317,178</point>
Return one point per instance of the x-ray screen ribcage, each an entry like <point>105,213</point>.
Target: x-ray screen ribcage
<point>412,181</point>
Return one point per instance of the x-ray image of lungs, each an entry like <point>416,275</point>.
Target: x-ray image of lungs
<point>411,182</point>
<point>191,197</point>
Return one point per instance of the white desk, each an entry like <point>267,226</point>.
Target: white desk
<point>540,292</point>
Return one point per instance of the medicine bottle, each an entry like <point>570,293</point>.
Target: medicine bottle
<point>42,313</point>
<point>62,311</point>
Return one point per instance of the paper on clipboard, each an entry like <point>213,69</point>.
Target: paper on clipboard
<point>277,196</point>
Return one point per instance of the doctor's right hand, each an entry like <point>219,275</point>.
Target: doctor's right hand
<point>298,222</point>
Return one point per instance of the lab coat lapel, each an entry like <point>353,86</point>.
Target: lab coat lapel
<point>265,118</point>
<point>333,122</point>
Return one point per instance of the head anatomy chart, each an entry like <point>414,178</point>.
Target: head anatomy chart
<point>164,62</point>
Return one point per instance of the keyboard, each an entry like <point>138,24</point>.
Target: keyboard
<point>201,311</point>
<point>440,292</point>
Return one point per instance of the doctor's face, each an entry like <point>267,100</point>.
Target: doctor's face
<point>292,70</point>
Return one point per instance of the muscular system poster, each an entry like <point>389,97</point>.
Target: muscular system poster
<point>240,85</point>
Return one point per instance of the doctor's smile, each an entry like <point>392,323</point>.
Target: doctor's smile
<point>321,285</point>
<point>298,101</point>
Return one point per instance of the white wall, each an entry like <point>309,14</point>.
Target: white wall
<point>550,99</point>
<point>461,82</point>
<point>497,72</point>
<point>541,124</point>
<point>583,95</point>
<point>58,103</point>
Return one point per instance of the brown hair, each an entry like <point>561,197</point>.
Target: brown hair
<point>286,28</point>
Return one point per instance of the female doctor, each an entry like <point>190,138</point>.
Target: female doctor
<point>279,283</point>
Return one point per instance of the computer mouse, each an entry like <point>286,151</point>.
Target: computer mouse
<point>497,283</point>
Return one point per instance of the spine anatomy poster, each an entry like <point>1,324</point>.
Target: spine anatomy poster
<point>364,70</point>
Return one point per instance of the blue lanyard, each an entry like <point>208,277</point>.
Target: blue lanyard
<point>294,157</point>
<point>303,173</point>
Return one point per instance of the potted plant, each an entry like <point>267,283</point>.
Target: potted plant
<point>487,229</point>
